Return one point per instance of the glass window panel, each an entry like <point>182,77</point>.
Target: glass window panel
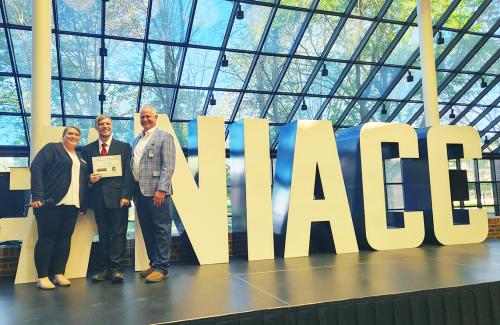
<point>357,113</point>
<point>323,84</point>
<point>380,82</point>
<point>403,87</point>
<point>484,170</point>
<point>283,31</point>
<point>445,119</point>
<point>21,42</point>
<point>419,122</point>
<point>453,87</point>
<point>273,133</point>
<point>234,75</point>
<point>296,3</point>
<point>189,103</point>
<point>169,20</point>
<point>19,12</point>
<point>317,35</point>
<point>5,65</point>
<point>379,41</point>
<point>79,16</point>
<point>162,64</point>
<point>492,146</point>
<point>495,68</point>
<point>439,48</point>
<point>252,105</point>
<point>468,165</point>
<point>349,38</point>
<point>266,72</point>
<point>199,67</point>
<point>126,18</point>
<point>438,8</point>
<point>354,79</point>
<point>452,164</point>
<point>473,91</point>
<point>483,55</point>
<point>459,52</point>
<point>395,199</point>
<point>488,118</point>
<point>84,124</point>
<point>379,117</point>
<point>8,95</point>
<point>491,95</point>
<point>487,19</point>
<point>313,106</point>
<point>462,13</point>
<point>123,130</point>
<point>280,108</point>
<point>487,194</point>
<point>81,98</point>
<point>297,75</point>
<point>121,100</point>
<point>80,57</point>
<point>180,129</point>
<point>472,202</point>
<point>124,61</point>
<point>400,10</point>
<point>334,6</point>
<point>393,170</point>
<point>334,109</point>
<point>55,95</point>
<point>367,8</point>
<point>246,33</point>
<point>470,116</point>
<point>407,45</point>
<point>12,131</point>
<point>210,22</point>
<point>160,98</point>
<point>225,104</point>
<point>406,112</point>
<point>7,162</point>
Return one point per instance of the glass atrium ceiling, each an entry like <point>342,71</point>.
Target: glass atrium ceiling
<point>345,61</point>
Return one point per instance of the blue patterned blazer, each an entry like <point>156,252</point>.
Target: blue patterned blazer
<point>156,164</point>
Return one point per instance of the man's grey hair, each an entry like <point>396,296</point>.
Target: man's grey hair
<point>150,107</point>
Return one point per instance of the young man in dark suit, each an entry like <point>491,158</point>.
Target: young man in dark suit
<point>109,197</point>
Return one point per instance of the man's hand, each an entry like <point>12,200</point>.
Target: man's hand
<point>95,177</point>
<point>159,198</point>
<point>124,203</point>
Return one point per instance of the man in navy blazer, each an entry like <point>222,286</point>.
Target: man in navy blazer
<point>109,197</point>
<point>152,164</point>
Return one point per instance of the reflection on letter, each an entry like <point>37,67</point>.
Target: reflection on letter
<point>251,187</point>
<point>446,232</point>
<point>303,147</point>
<point>378,235</point>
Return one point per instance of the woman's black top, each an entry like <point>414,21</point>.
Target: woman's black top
<point>51,175</point>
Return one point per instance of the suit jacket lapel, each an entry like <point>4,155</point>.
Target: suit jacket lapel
<point>150,141</point>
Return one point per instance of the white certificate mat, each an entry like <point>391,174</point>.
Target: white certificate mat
<point>108,166</point>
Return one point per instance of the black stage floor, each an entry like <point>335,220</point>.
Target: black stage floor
<point>195,292</point>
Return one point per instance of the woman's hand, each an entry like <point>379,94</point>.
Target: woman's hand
<point>36,204</point>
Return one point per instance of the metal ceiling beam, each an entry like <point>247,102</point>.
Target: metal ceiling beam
<point>144,54</point>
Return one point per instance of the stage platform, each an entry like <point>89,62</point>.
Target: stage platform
<point>428,285</point>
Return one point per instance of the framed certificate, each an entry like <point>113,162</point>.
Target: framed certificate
<point>108,166</point>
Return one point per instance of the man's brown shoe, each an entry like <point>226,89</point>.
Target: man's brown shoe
<point>156,276</point>
<point>145,273</point>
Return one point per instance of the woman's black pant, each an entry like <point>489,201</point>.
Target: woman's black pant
<point>55,226</point>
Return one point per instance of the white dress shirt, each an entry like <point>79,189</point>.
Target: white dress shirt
<point>72,197</point>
